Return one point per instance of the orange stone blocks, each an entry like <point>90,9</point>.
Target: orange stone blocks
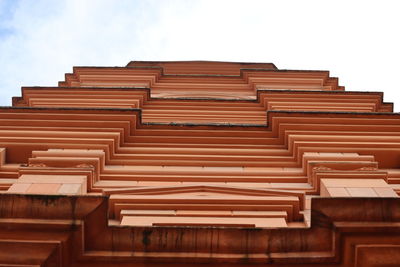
<point>193,163</point>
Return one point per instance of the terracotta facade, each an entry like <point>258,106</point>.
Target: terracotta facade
<point>193,163</point>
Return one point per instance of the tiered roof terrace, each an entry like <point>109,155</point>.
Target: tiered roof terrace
<point>198,162</point>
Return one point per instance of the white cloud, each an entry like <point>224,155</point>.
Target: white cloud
<point>356,40</point>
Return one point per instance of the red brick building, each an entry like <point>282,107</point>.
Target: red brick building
<point>193,163</point>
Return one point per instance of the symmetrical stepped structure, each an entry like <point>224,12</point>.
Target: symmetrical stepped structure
<point>186,163</point>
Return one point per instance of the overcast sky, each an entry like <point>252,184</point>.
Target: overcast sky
<point>358,41</point>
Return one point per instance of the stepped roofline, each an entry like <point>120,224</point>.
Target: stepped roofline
<point>199,162</point>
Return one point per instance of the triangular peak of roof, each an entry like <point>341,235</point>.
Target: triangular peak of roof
<point>203,188</point>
